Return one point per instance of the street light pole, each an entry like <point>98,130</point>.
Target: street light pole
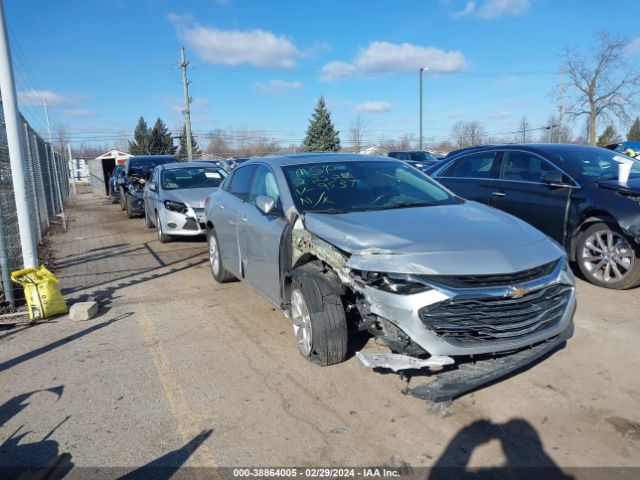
<point>422,69</point>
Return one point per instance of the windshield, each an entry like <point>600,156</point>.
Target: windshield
<point>596,163</point>
<point>341,187</point>
<point>192,177</point>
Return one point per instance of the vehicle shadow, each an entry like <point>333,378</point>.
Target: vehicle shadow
<point>167,465</point>
<point>522,447</point>
<point>36,460</point>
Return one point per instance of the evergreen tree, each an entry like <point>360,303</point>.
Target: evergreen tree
<point>140,144</point>
<point>183,154</point>
<point>321,134</point>
<point>160,140</point>
<point>634,131</point>
<point>608,136</point>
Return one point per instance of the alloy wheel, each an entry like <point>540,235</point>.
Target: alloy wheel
<point>159,227</point>
<point>301,322</point>
<point>214,255</point>
<point>607,256</point>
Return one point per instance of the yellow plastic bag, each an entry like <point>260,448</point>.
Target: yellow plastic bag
<point>41,291</point>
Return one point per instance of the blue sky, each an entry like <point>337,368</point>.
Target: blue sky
<point>261,65</point>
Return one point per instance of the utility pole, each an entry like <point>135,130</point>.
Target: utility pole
<point>16,154</point>
<point>187,109</point>
<point>422,69</point>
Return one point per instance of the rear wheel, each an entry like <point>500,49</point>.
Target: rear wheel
<point>318,316</point>
<point>220,274</point>
<point>164,238</point>
<point>607,258</point>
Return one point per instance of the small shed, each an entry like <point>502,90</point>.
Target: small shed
<point>101,168</point>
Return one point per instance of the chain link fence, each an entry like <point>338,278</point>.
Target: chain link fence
<point>47,178</point>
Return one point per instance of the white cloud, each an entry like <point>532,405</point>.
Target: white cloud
<point>468,10</point>
<point>80,112</point>
<point>633,47</point>
<point>273,86</point>
<point>499,8</point>
<point>38,97</point>
<point>334,71</point>
<point>377,106</point>
<point>259,48</point>
<point>384,57</point>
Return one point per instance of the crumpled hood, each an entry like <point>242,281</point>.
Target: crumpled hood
<point>193,197</point>
<point>454,239</point>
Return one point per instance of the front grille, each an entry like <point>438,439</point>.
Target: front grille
<point>466,320</point>
<point>190,224</point>
<point>480,281</point>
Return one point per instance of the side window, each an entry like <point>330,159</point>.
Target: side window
<point>523,167</point>
<point>477,165</point>
<point>264,183</point>
<point>240,185</point>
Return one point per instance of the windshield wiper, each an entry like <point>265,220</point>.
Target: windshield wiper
<point>329,210</point>
<point>405,205</point>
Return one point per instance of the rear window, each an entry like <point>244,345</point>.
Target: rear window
<point>192,177</point>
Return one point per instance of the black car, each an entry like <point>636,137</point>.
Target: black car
<point>416,158</point>
<point>114,190</point>
<point>136,171</point>
<point>569,192</point>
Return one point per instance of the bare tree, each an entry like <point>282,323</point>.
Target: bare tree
<point>357,131</point>
<point>468,134</point>
<point>606,83</point>
<point>458,134</point>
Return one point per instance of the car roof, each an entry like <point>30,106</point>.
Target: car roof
<point>531,147</point>
<point>173,166</point>
<point>315,157</point>
<point>152,157</point>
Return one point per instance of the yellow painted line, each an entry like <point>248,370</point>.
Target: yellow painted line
<point>187,421</point>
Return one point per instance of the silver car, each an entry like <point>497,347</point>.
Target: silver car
<point>344,243</point>
<point>174,198</point>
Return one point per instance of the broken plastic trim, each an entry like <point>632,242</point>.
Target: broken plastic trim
<point>397,362</point>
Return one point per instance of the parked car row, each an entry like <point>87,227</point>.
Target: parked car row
<point>345,243</point>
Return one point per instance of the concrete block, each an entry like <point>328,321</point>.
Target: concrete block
<point>83,311</point>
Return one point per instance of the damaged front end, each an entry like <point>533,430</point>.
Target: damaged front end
<point>471,329</point>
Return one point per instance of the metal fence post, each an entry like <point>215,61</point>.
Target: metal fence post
<point>7,286</point>
<point>32,179</point>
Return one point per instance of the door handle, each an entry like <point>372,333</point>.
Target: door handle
<point>243,219</point>
<point>221,207</point>
<point>498,194</point>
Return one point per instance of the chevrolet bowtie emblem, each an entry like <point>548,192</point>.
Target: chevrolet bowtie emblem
<point>517,292</point>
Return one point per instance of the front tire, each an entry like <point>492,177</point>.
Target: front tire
<point>220,274</point>
<point>607,258</point>
<point>162,237</point>
<point>147,220</point>
<point>123,200</point>
<point>318,316</point>
<point>130,212</point>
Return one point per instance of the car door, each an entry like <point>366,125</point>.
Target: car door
<point>260,236</point>
<point>228,211</point>
<point>469,176</point>
<point>519,189</point>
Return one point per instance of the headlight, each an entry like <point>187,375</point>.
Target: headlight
<point>390,282</point>
<point>176,206</point>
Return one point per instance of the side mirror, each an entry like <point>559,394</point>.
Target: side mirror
<point>265,204</point>
<point>554,178</point>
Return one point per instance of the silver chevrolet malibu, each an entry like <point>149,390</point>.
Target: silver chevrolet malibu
<point>343,243</point>
<point>174,197</point>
